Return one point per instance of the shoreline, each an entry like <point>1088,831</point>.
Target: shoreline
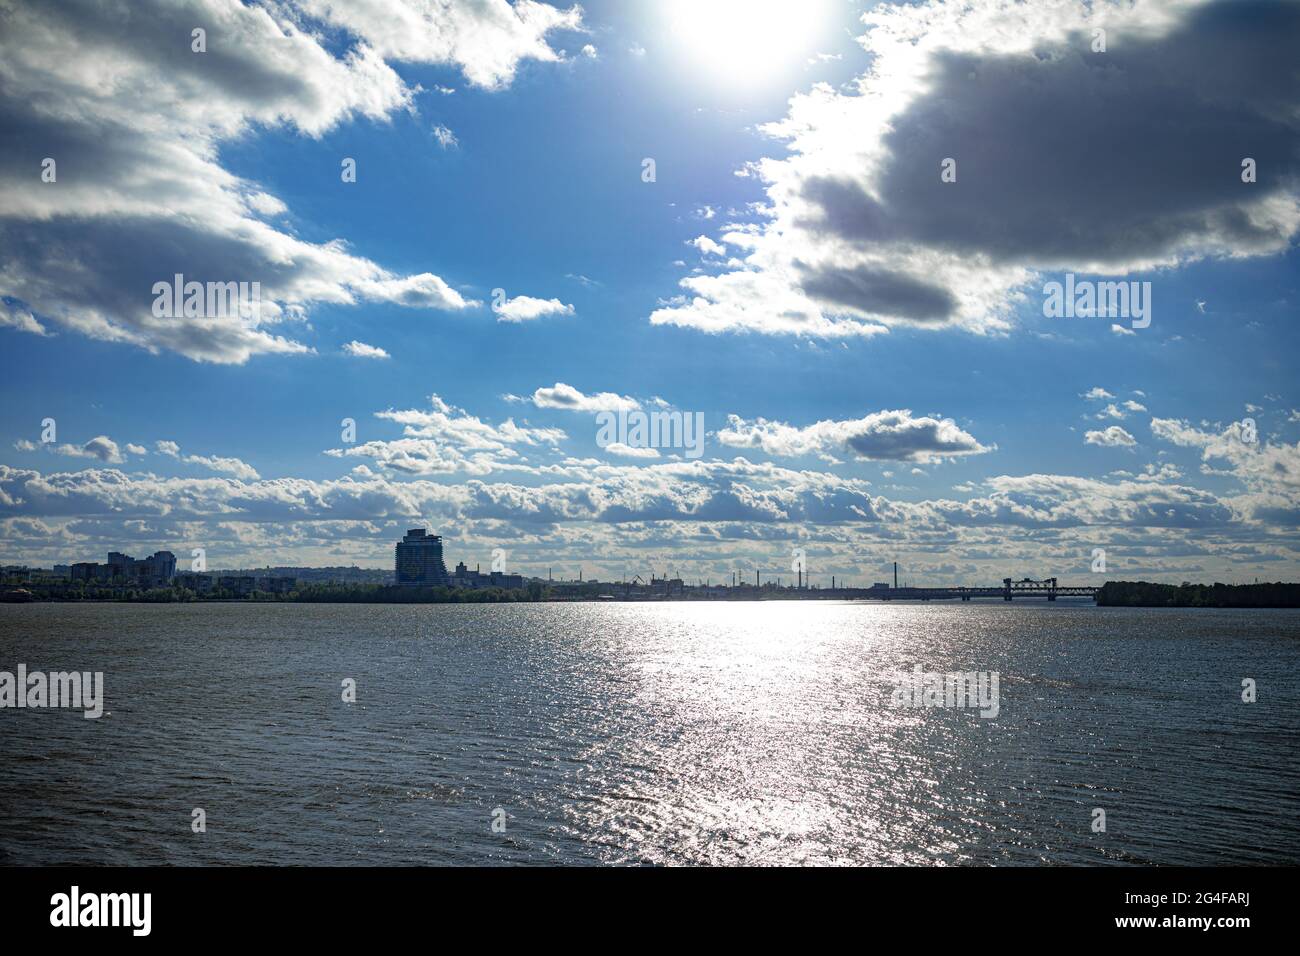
<point>1278,595</point>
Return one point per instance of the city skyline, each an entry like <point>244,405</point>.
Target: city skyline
<point>615,289</point>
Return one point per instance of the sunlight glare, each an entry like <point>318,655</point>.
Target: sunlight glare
<point>743,39</point>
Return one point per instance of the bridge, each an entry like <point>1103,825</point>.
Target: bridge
<point>1026,588</point>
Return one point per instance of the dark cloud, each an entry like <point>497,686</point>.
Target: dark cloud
<point>1074,157</point>
<point>1113,162</point>
<point>877,291</point>
<point>134,119</point>
<point>912,439</point>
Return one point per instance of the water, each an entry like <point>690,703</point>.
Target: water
<point>665,734</point>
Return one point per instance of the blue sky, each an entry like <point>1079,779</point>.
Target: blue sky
<point>866,343</point>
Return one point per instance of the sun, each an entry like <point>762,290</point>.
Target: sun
<point>741,40</point>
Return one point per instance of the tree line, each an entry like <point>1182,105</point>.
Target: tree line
<point>1147,594</point>
<point>345,593</point>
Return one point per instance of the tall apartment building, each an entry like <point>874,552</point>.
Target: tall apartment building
<point>419,559</point>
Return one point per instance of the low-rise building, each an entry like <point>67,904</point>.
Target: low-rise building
<point>198,583</point>
<point>465,578</point>
<point>92,572</point>
<point>237,585</point>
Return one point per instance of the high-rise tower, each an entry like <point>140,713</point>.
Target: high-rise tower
<point>419,559</point>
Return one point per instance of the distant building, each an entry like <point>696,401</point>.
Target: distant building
<point>671,586</point>
<point>329,575</point>
<point>159,568</point>
<point>198,583</point>
<point>461,577</point>
<point>154,571</point>
<point>418,559</point>
<point>465,578</point>
<point>90,571</point>
<point>238,585</point>
<point>15,574</point>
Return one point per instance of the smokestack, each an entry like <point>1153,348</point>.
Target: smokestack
<point>895,575</point>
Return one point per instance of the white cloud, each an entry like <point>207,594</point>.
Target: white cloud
<point>1114,437</point>
<point>486,39</point>
<point>627,451</point>
<point>101,447</point>
<point>524,308</point>
<point>707,246</point>
<point>445,137</point>
<point>1260,464</point>
<point>741,493</point>
<point>362,350</point>
<point>265,204</point>
<point>228,466</point>
<point>444,440</point>
<point>21,319</point>
<point>567,397</point>
<point>425,290</point>
<point>881,436</point>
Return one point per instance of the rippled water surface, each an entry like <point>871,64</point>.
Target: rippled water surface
<point>670,733</point>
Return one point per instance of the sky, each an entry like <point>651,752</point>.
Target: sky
<point>830,229</point>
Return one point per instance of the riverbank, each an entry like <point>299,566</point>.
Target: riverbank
<point>1111,594</point>
<point>1147,594</point>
